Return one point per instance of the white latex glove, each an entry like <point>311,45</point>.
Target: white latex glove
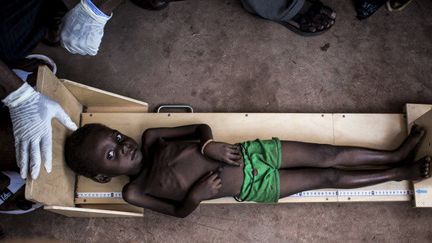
<point>82,30</point>
<point>31,114</point>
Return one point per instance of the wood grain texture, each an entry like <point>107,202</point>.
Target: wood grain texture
<point>422,116</point>
<point>57,187</point>
<point>97,100</point>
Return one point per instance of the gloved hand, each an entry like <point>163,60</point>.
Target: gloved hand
<point>83,29</point>
<point>31,114</point>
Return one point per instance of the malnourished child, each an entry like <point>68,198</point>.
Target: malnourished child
<point>177,168</point>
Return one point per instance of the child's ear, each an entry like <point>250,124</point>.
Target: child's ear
<point>101,178</point>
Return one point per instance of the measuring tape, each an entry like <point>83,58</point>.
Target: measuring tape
<point>353,193</point>
<point>359,193</point>
<point>98,195</point>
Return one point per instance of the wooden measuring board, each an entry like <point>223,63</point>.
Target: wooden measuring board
<point>380,131</point>
<point>422,116</point>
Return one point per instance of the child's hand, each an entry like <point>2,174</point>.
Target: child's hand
<point>207,187</point>
<point>224,152</point>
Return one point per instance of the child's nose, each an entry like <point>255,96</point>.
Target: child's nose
<point>126,148</point>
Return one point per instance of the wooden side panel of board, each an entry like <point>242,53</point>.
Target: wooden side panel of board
<point>90,212</point>
<point>57,187</point>
<point>414,111</point>
<point>97,100</point>
<point>423,189</point>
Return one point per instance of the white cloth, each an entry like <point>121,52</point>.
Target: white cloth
<point>15,183</point>
<point>82,30</point>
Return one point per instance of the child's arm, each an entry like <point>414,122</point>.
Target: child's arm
<point>200,132</point>
<point>205,188</point>
<point>224,152</point>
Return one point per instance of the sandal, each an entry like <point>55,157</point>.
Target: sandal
<point>316,20</point>
<point>397,5</point>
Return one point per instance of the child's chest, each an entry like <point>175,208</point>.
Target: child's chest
<point>175,168</point>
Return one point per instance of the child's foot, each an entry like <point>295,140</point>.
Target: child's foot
<point>408,146</point>
<point>417,170</point>
<point>315,18</point>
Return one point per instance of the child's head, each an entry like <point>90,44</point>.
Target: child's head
<point>99,152</point>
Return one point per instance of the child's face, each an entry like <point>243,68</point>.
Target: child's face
<point>114,153</point>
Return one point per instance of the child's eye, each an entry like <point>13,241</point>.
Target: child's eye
<point>110,155</point>
<point>119,137</point>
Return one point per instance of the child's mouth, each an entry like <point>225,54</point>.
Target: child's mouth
<point>133,154</point>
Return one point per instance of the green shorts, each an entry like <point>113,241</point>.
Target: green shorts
<point>262,159</point>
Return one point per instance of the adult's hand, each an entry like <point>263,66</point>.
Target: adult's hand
<point>31,114</point>
<point>83,29</point>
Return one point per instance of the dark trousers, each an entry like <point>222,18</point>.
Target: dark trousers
<point>23,23</point>
<point>275,10</point>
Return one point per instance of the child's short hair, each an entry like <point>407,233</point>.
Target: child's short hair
<point>75,152</point>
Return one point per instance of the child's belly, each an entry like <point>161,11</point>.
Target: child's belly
<point>232,180</point>
<point>176,186</point>
<point>179,166</point>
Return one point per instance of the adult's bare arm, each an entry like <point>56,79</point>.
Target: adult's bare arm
<point>9,81</point>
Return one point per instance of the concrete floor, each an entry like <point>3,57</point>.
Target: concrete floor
<point>213,55</point>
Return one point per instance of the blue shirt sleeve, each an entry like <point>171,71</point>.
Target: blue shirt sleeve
<point>96,9</point>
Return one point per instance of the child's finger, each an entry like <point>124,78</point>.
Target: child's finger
<point>214,177</point>
<point>235,148</point>
<point>233,162</point>
<point>232,151</point>
<point>234,157</point>
<point>206,176</point>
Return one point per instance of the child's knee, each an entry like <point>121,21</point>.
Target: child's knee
<point>329,155</point>
<point>332,177</point>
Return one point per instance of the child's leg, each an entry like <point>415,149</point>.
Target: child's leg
<point>297,180</point>
<point>298,154</point>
